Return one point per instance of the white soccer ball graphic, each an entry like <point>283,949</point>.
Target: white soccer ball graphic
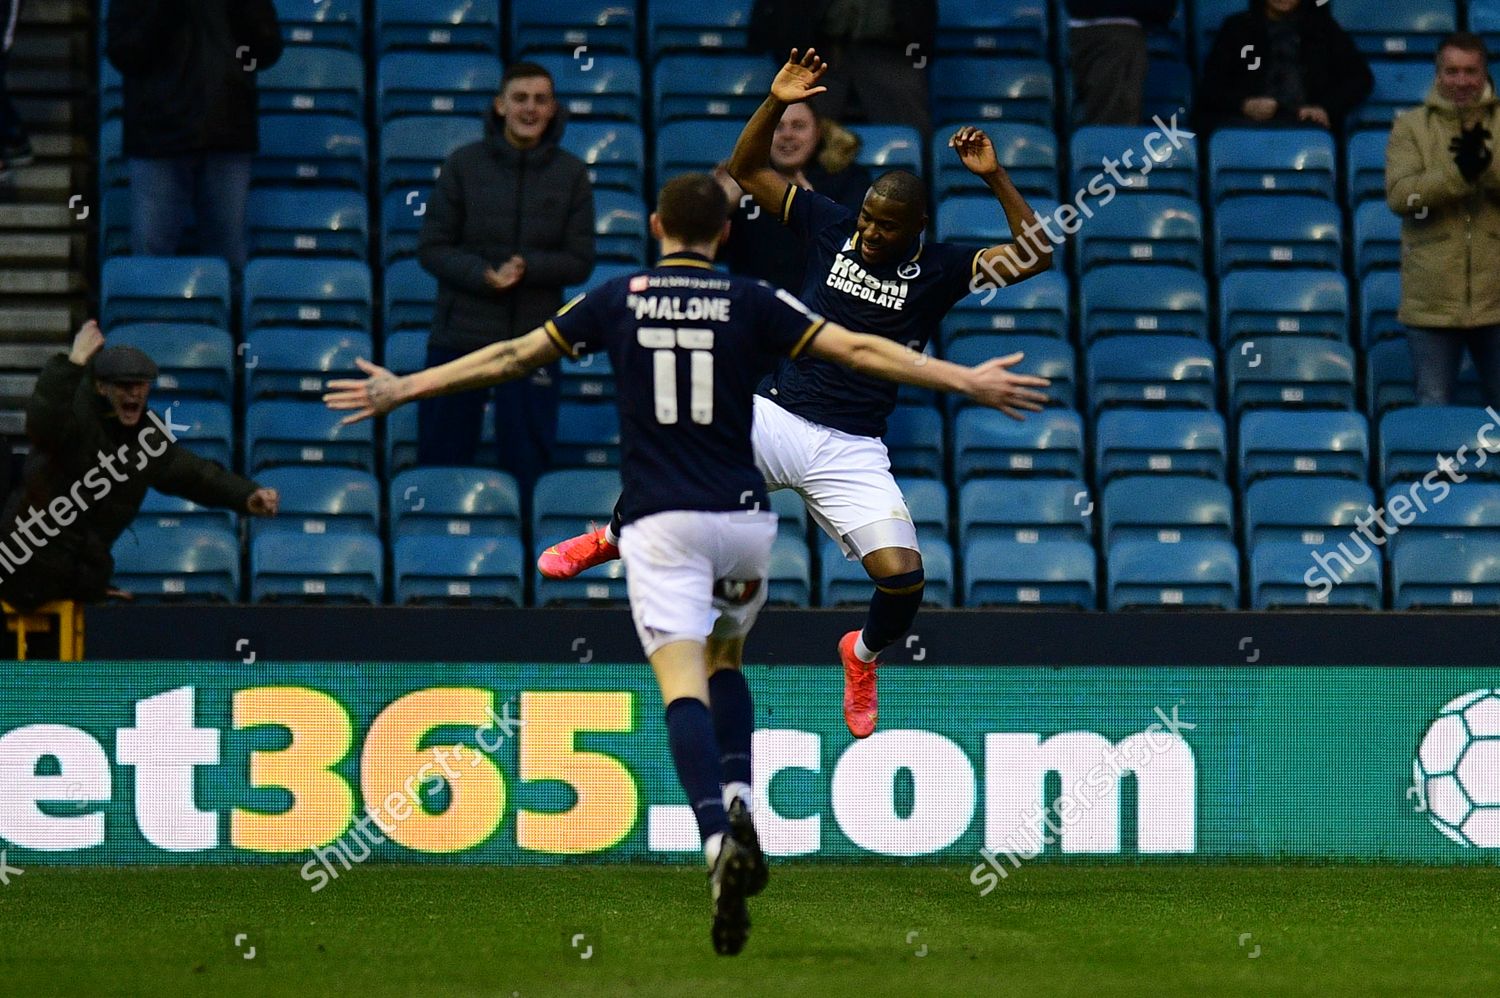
<point>1457,770</point>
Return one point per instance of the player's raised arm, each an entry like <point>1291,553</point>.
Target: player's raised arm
<point>750,164</point>
<point>1029,253</point>
<point>383,391</point>
<point>991,383</point>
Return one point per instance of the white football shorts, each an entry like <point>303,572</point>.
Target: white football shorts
<point>692,575</point>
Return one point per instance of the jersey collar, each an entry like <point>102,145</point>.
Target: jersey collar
<point>686,258</point>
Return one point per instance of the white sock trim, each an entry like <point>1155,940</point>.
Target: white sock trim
<point>742,791</point>
<point>711,846</point>
<point>610,536</point>
<point>862,651</point>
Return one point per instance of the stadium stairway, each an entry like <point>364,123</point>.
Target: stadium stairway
<point>45,251</point>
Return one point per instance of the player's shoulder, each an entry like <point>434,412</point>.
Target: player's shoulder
<point>944,254</point>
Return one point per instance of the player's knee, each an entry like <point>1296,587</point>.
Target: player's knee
<point>888,562</point>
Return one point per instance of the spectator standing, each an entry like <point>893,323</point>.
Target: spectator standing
<point>813,153</point>
<point>94,451</point>
<point>1441,178</point>
<point>880,50</point>
<point>1107,55</point>
<point>1285,62</point>
<point>15,143</point>
<point>190,116</point>
<point>510,225</point>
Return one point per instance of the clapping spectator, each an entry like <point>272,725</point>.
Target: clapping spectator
<point>814,153</point>
<point>510,225</point>
<point>1107,54</point>
<point>191,130</point>
<point>1285,62</point>
<point>15,144</point>
<point>1441,178</point>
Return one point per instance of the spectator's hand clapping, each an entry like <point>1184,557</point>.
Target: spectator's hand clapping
<point>1259,108</point>
<point>798,79</point>
<point>975,151</point>
<point>1316,115</point>
<point>1471,151</point>
<point>263,502</point>
<point>86,343</point>
<point>507,276</point>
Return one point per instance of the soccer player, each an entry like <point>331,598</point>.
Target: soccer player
<point>689,345</point>
<point>818,426</point>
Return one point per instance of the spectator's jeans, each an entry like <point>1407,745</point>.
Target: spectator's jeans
<point>1437,354</point>
<point>165,193</point>
<point>448,427</point>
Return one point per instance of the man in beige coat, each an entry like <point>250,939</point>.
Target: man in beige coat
<point>1441,177</point>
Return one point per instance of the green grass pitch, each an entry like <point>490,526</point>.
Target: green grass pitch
<point>863,931</point>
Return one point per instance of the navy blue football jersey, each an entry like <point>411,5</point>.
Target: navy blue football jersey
<point>689,345</point>
<point>903,301</point>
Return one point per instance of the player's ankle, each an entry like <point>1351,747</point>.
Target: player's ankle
<point>739,791</point>
<point>711,847</point>
<point>862,651</point>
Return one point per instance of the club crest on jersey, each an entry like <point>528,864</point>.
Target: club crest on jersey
<point>736,591</point>
<point>909,271</point>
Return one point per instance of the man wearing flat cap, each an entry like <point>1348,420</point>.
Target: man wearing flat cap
<point>95,449</point>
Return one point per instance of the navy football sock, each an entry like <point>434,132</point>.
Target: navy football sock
<point>612,532</point>
<point>734,722</point>
<point>690,732</point>
<point>892,609</point>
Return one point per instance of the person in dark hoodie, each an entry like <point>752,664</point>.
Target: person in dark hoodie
<point>191,125</point>
<point>1107,55</point>
<point>95,449</point>
<point>1284,62</point>
<point>510,224</point>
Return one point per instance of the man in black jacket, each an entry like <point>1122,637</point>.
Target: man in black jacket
<point>190,115</point>
<point>510,224</point>
<point>1107,54</point>
<point>94,451</point>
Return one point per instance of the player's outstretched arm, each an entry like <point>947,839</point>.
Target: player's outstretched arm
<point>383,391</point>
<point>1029,253</point>
<point>750,164</point>
<point>991,383</point>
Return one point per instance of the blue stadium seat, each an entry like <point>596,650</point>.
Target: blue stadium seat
<point>469,570</point>
<point>1160,441</point>
<point>1147,574</point>
<point>1364,168</point>
<point>1046,357</point>
<point>401,439</point>
<point>406,351</point>
<point>401,224</point>
<point>410,295</point>
<point>165,289</point>
<point>297,363</point>
<point>588,379</point>
<point>696,25</point>
<point>1166,169</point>
<point>1059,574</point>
<point>620,227</point>
<point>581,27</point>
<point>311,150</point>
<point>927,501</point>
<point>1256,304</point>
<point>413,149</point>
<point>1130,298</point>
<point>459,83</point>
<point>111,90</point>
<point>709,86</point>
<point>693,146</point>
<point>889,147</point>
<point>1290,372</point>
<point>303,292</point>
<point>1038,306</point>
<point>1466,511</point>
<point>114,223</point>
<point>914,438</point>
<point>312,79</point>
<point>194,361</point>
<point>1151,370</point>
<point>609,88</point>
<point>317,568</point>
<point>308,223</point>
<point>158,510</point>
<point>615,153</point>
<point>1027,151</point>
<point>1484,21</point>
<point>1280,570</point>
<point>1167,509</point>
<point>987,27</point>
<point>206,428</point>
<point>1271,161</point>
<point>1377,239</point>
<point>588,435</point>
<point>1274,442</point>
<point>1025,510</point>
<point>791,572</point>
<point>299,432</point>
<point>791,514</point>
<point>1389,380</point>
<point>1305,509</point>
<point>438,25</point>
<point>1278,230</point>
<point>320,500</point>
<point>1399,86</point>
<point>1411,28</point>
<point>114,168</point>
<point>1411,440</point>
<point>844,582</point>
<point>977,90</point>
<point>1169,86</point>
<point>988,442</point>
<point>563,504</point>
<point>336,23</point>
<point>1208,15</point>
<point>1145,228</point>
<point>1432,572</point>
<point>186,562</point>
<point>1379,300</point>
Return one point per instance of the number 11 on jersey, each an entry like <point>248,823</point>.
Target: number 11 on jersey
<point>664,343</point>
